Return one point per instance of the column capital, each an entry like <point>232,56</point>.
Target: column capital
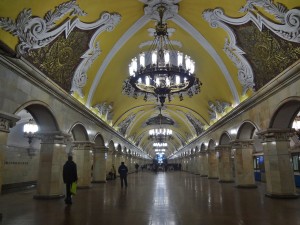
<point>275,134</point>
<point>53,137</point>
<point>222,147</point>
<point>242,143</point>
<point>85,144</point>
<point>100,149</point>
<point>7,121</point>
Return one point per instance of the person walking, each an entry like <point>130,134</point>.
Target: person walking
<point>123,170</point>
<point>69,176</point>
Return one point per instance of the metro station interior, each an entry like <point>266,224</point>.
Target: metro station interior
<point>203,95</point>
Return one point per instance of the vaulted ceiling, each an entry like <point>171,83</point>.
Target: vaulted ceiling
<point>87,45</point>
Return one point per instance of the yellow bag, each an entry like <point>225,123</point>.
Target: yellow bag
<point>73,188</point>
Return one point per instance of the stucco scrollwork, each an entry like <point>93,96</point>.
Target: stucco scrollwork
<point>151,8</point>
<point>80,75</point>
<point>289,29</point>
<point>104,109</point>
<point>278,9</point>
<point>217,107</point>
<point>245,73</point>
<point>34,32</point>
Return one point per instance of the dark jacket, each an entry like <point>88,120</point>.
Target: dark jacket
<point>70,172</point>
<point>123,170</point>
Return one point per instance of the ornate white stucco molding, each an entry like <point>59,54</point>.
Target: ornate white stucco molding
<point>36,32</point>
<point>152,5</point>
<point>289,29</point>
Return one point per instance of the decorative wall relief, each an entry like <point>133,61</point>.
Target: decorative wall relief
<point>35,33</point>
<point>199,127</point>
<point>152,5</point>
<point>287,28</point>
<point>105,110</point>
<point>4,125</point>
<point>217,107</point>
<point>123,126</point>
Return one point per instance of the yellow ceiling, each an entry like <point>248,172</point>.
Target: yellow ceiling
<point>109,88</point>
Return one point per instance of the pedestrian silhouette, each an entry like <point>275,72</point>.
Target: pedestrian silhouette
<point>123,170</point>
<point>69,176</point>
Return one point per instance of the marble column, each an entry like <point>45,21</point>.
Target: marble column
<point>225,163</point>
<point>52,158</point>
<point>99,165</point>
<point>119,159</point>
<point>203,164</point>
<point>197,164</point>
<point>212,161</point>
<point>243,161</point>
<point>279,172</point>
<point>6,121</point>
<point>83,159</point>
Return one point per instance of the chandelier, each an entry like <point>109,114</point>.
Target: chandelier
<point>160,144</point>
<point>162,71</point>
<point>160,134</point>
<point>30,129</point>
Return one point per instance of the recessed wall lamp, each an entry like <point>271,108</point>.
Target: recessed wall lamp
<point>30,129</point>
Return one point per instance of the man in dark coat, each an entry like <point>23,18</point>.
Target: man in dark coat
<point>69,176</point>
<point>123,173</point>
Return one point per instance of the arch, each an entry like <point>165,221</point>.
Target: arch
<point>196,149</point>
<point>111,146</point>
<point>246,131</point>
<point>79,132</point>
<point>99,141</point>
<point>225,139</point>
<point>211,144</point>
<point>119,148</point>
<point>285,113</point>
<point>202,147</point>
<point>42,114</point>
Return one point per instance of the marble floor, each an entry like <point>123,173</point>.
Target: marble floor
<point>173,198</point>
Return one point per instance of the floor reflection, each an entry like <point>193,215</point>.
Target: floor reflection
<point>171,198</point>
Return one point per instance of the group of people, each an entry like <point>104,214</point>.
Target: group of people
<point>70,176</point>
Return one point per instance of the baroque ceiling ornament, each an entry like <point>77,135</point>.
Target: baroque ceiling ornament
<point>198,126</point>
<point>288,30</point>
<point>152,5</point>
<point>217,108</point>
<point>104,110</point>
<point>36,32</point>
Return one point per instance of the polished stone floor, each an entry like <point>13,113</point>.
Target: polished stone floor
<point>171,198</point>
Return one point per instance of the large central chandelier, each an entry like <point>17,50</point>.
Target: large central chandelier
<point>161,71</point>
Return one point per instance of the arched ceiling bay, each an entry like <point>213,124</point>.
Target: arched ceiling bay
<point>106,66</point>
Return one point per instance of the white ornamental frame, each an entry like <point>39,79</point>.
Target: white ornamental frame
<point>36,32</point>
<point>289,29</point>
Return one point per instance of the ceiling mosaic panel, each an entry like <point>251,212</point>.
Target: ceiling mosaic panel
<point>267,53</point>
<point>59,59</point>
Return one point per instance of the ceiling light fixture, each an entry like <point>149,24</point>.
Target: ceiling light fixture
<point>162,71</point>
<point>30,129</point>
<point>160,134</point>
